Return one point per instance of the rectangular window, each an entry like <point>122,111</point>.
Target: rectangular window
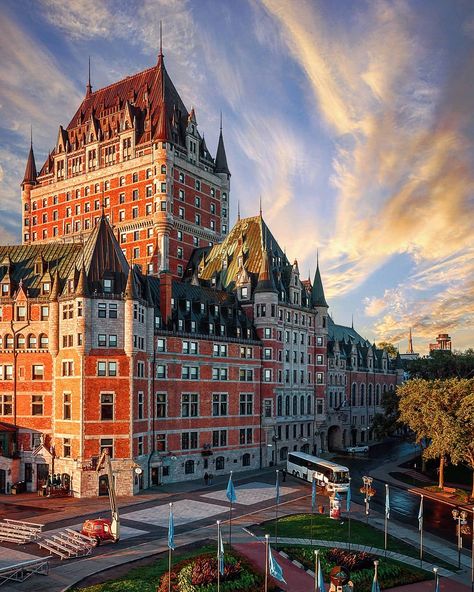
<point>219,438</point>
<point>190,373</point>
<point>161,442</point>
<point>161,345</point>
<point>66,447</point>
<point>106,407</point>
<point>140,405</point>
<point>38,372</point>
<point>267,353</point>
<point>160,371</point>
<point>219,404</point>
<point>102,310</point>
<point>189,440</point>
<point>246,436</point>
<point>267,375</point>
<point>189,405</point>
<point>37,405</point>
<point>107,444</point>
<point>190,347</point>
<point>160,404</point>
<point>6,403</point>
<point>66,405</point>
<point>102,340</point>
<point>246,404</point>
<point>319,360</point>
<point>245,375</point>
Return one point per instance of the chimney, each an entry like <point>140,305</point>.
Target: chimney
<point>166,293</point>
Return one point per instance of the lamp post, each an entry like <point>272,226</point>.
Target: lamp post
<point>460,517</point>
<point>368,493</point>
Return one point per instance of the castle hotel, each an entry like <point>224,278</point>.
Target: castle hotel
<point>133,318</point>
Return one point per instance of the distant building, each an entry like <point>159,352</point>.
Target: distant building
<point>443,342</point>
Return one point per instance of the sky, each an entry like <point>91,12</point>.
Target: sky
<point>351,121</point>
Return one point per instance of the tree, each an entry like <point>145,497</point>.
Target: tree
<point>466,418</point>
<point>391,350</point>
<point>386,423</point>
<point>443,364</point>
<point>431,410</point>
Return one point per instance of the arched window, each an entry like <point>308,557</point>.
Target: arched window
<point>308,405</point>
<point>354,389</point>
<point>189,467</point>
<point>43,341</point>
<point>220,462</point>
<point>302,405</point>
<point>331,400</point>
<point>8,341</point>
<point>369,395</point>
<point>279,406</point>
<point>362,395</point>
<point>391,388</point>
<point>295,405</point>
<point>330,380</point>
<point>384,388</point>
<point>305,448</point>
<point>377,394</point>
<point>163,169</point>
<point>287,405</point>
<point>283,453</point>
<point>20,341</point>
<point>246,460</point>
<point>32,341</point>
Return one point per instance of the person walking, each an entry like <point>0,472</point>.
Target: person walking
<point>283,474</point>
<point>206,478</point>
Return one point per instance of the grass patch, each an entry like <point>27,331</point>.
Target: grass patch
<point>145,578</point>
<point>326,529</point>
<point>459,495</point>
<point>390,573</point>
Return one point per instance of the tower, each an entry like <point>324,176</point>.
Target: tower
<point>29,181</point>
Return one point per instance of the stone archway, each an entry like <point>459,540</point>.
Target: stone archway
<point>334,438</point>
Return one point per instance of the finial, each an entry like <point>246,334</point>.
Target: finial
<point>161,38</point>
<point>238,210</point>
<point>317,257</point>
<point>260,202</point>
<point>89,85</point>
<point>352,324</point>
<point>31,135</point>
<point>221,123</point>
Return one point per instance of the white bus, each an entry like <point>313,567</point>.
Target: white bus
<point>327,474</point>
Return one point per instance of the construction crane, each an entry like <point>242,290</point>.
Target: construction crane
<point>103,529</point>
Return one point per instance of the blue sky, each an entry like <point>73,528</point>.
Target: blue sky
<point>352,120</point>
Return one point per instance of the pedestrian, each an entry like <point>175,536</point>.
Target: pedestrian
<point>283,474</point>
<point>211,477</point>
<point>206,478</point>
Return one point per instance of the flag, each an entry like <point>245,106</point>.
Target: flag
<point>348,499</point>
<point>321,586</point>
<point>420,515</point>
<point>277,489</point>
<point>275,568</point>
<point>230,492</point>
<point>313,496</point>
<point>387,502</point>
<point>337,496</point>
<point>171,530</point>
<point>220,554</point>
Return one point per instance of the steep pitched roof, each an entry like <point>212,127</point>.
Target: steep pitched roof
<point>265,277</point>
<point>221,158</point>
<point>317,292</point>
<point>346,334</point>
<point>30,170</point>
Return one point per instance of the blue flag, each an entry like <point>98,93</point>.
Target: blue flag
<point>387,502</point>
<point>348,499</point>
<point>313,495</point>
<point>321,586</point>
<point>420,515</point>
<point>220,554</point>
<point>277,488</point>
<point>275,568</point>
<point>171,530</point>
<point>230,492</point>
<point>337,496</point>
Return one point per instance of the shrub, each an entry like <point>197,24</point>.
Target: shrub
<point>353,561</point>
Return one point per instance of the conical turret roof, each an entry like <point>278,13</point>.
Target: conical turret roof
<point>221,158</point>
<point>317,292</point>
<point>265,277</point>
<point>30,171</point>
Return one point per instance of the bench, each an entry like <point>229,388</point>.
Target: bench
<point>45,545</point>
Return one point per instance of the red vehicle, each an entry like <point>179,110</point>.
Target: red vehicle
<point>103,529</point>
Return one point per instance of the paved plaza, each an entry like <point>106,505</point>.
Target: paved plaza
<point>11,556</point>
<point>184,512</point>
<point>251,493</point>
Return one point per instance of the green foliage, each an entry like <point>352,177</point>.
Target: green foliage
<point>443,364</point>
<point>391,350</point>
<point>386,423</point>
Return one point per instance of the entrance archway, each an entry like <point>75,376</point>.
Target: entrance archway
<point>334,438</point>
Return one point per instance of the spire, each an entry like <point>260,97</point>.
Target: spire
<point>410,344</point>
<point>81,287</point>
<point>162,133</point>
<point>160,55</point>
<point>221,158</point>
<point>30,170</point>
<point>265,277</point>
<point>130,292</point>
<point>89,85</point>
<point>317,292</point>
<point>260,206</point>
<point>238,210</point>
<point>56,289</point>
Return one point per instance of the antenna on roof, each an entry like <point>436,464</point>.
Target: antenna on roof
<point>89,85</point>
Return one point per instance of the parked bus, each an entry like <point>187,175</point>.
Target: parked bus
<point>327,474</point>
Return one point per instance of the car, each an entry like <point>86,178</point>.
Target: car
<point>353,449</point>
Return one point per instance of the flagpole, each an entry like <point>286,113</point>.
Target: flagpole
<point>316,573</point>
<point>267,536</point>
<point>230,518</point>
<point>420,526</point>
<point>276,508</point>
<point>435,569</point>
<point>349,512</point>
<point>169,556</point>
<point>218,555</point>
<point>386,519</point>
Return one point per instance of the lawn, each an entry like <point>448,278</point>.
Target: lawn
<point>299,526</point>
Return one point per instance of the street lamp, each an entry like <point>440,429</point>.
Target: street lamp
<point>368,492</point>
<point>460,517</point>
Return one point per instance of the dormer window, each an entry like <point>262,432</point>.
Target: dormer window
<point>108,285</point>
<point>5,289</point>
<point>46,287</point>
<point>21,313</point>
<point>244,292</point>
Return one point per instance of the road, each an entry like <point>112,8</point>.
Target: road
<point>404,505</point>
